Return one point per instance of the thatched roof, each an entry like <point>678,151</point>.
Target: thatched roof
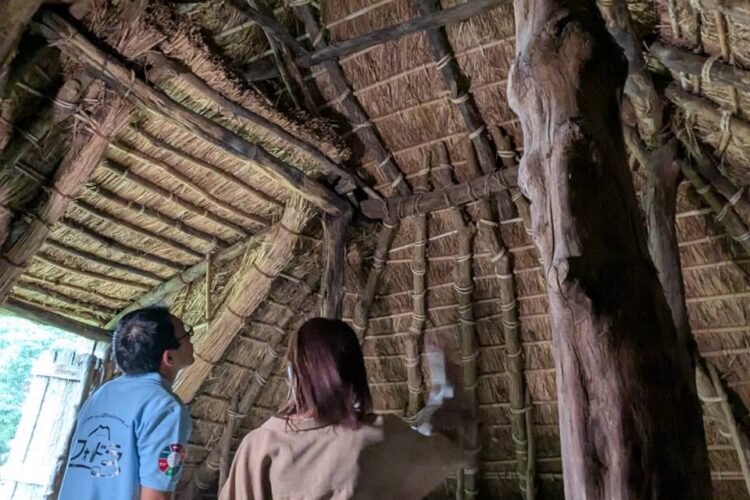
<point>163,197</point>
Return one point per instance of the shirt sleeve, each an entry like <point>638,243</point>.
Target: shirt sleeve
<point>162,447</point>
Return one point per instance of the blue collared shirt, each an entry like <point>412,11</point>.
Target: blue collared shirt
<point>132,432</point>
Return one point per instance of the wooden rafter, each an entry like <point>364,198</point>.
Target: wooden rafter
<point>45,317</point>
<point>334,254</point>
<point>95,310</point>
<point>353,110</point>
<point>682,60</point>
<point>76,167</point>
<point>461,96</point>
<point>116,74</point>
<point>106,278</point>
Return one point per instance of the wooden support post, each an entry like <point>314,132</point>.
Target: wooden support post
<point>44,317</point>
<point>334,253</point>
<point>617,355</point>
<point>76,167</point>
<point>508,157</point>
<point>206,473</point>
<point>479,188</point>
<point>119,77</point>
<point>459,87</point>
<point>353,110</point>
<point>362,309</point>
<point>252,283</point>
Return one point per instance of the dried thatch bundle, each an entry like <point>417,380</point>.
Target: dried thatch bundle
<point>251,284</point>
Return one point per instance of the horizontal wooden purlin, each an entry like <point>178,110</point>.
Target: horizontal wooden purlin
<point>164,219</point>
<point>436,19</point>
<point>248,189</point>
<point>460,194</point>
<point>707,109</point>
<point>685,61</point>
<point>96,259</point>
<point>124,80</point>
<point>90,274</point>
<point>327,165</point>
<point>189,206</point>
<point>111,219</point>
<point>189,275</point>
<point>97,294</point>
<point>70,302</point>
<point>116,246</point>
<point>42,316</point>
<point>186,181</point>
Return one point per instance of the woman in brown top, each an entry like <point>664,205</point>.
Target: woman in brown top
<point>325,443</point>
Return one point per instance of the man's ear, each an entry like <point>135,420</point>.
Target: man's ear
<point>167,359</point>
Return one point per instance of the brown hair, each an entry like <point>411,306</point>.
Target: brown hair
<point>328,379</point>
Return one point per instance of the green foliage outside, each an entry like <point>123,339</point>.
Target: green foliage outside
<point>21,344</point>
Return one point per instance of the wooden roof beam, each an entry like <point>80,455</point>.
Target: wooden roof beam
<point>353,110</point>
<point>476,189</point>
<point>16,15</point>
<point>334,265</point>
<point>39,315</point>
<point>45,259</point>
<point>684,61</point>
<point>460,95</point>
<point>69,302</point>
<point>433,20</point>
<point>117,75</point>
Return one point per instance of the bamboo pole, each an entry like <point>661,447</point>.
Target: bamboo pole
<point>186,181</point>
<point>458,85</point>
<point>353,110</point>
<point>39,315</point>
<point>76,167</point>
<point>478,188</point>
<point>111,70</point>
<point>186,205</point>
<point>464,289</point>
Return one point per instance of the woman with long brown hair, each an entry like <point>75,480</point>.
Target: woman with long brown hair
<point>325,443</point>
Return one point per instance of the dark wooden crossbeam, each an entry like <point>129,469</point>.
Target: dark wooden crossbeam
<point>479,188</point>
<point>688,62</point>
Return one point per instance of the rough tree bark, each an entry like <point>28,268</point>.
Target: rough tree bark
<point>630,421</point>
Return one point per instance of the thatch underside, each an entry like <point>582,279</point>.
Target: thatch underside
<point>163,200</point>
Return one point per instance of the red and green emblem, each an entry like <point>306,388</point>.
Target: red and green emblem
<point>171,458</point>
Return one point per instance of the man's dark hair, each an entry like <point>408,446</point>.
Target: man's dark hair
<point>141,338</point>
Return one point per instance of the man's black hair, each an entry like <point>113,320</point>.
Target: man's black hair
<point>141,338</point>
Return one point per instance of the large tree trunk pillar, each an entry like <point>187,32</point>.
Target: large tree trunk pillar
<point>630,421</point>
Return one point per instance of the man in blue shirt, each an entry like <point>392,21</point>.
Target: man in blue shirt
<point>132,434</point>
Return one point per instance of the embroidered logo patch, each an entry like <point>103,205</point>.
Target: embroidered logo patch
<point>171,458</point>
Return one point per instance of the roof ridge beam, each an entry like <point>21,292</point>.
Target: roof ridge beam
<point>39,315</point>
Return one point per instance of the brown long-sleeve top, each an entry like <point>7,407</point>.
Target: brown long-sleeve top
<point>304,460</point>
